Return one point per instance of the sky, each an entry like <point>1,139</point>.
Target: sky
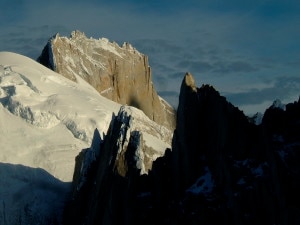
<point>248,50</point>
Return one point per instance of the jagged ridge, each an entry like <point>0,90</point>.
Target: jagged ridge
<point>223,169</point>
<point>121,74</point>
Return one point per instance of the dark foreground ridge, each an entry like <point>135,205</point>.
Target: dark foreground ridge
<point>222,169</point>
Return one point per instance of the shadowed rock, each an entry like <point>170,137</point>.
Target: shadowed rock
<point>222,169</point>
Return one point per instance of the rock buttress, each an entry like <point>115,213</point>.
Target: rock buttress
<point>121,74</point>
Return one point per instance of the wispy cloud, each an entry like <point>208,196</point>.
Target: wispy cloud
<point>283,88</point>
<point>233,45</point>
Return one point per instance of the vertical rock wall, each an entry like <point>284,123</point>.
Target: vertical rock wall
<point>222,169</point>
<point>121,74</point>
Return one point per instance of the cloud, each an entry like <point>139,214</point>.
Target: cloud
<point>158,46</point>
<point>177,75</point>
<point>195,66</point>
<point>215,41</point>
<point>222,67</point>
<point>27,40</point>
<point>283,88</point>
<point>169,93</point>
<point>234,67</point>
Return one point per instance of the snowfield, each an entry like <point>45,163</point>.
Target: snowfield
<point>45,121</point>
<point>45,117</point>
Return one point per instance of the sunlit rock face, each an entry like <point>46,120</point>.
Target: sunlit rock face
<point>120,73</point>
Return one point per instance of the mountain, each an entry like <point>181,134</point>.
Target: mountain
<point>231,170</point>
<point>68,155</point>
<point>121,74</point>
<point>222,169</point>
<point>44,113</point>
<point>103,188</point>
<point>46,120</point>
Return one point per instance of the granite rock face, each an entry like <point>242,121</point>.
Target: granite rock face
<point>222,169</point>
<point>229,171</point>
<point>120,73</point>
<point>109,176</point>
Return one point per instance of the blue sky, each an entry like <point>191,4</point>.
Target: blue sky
<point>249,50</point>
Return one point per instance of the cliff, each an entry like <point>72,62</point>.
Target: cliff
<point>109,175</point>
<point>223,169</point>
<point>120,73</point>
<point>227,169</point>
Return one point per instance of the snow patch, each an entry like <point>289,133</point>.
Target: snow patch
<point>139,157</point>
<point>158,146</point>
<point>141,131</point>
<point>104,43</point>
<point>110,89</point>
<point>259,170</point>
<point>204,184</point>
<point>278,104</point>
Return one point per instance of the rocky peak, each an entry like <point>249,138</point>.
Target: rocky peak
<point>105,187</point>
<point>189,81</point>
<point>149,140</point>
<point>227,163</point>
<point>222,169</point>
<point>120,73</point>
<point>206,125</point>
<point>76,34</point>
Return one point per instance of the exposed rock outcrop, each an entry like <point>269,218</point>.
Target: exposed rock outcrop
<point>121,74</point>
<point>222,169</point>
<point>230,171</point>
<point>108,178</point>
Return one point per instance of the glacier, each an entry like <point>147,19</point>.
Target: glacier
<point>45,121</point>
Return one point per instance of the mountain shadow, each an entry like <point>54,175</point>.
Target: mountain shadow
<point>30,196</point>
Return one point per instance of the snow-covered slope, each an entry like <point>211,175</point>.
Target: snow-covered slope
<point>45,121</point>
<point>46,118</point>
